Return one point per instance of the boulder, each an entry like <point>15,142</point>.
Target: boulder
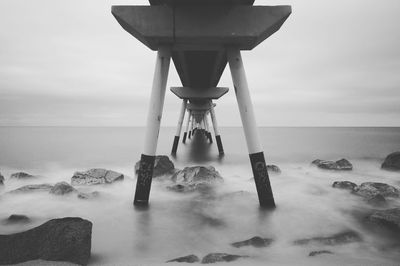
<point>195,178</point>
<point>188,259</point>
<point>17,218</point>
<point>1,180</point>
<point>377,200</point>
<point>32,188</point>
<point>22,175</point>
<point>256,241</point>
<point>336,239</point>
<point>341,164</point>
<point>162,166</point>
<point>96,176</point>
<point>273,168</point>
<point>388,219</point>
<point>392,162</point>
<point>66,239</point>
<point>62,188</point>
<point>347,185</point>
<point>371,189</point>
<point>319,252</point>
<point>220,257</point>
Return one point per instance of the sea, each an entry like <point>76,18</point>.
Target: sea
<point>180,224</point>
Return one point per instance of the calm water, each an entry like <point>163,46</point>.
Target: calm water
<point>178,225</point>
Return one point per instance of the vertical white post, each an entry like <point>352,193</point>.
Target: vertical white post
<point>216,131</point>
<point>256,154</point>
<point>208,128</point>
<point>187,126</point>
<point>179,127</point>
<point>154,116</point>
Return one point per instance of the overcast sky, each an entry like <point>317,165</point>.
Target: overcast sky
<point>69,63</point>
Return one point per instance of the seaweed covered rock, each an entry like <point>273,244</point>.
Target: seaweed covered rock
<point>62,188</point>
<point>22,176</point>
<point>347,185</point>
<point>336,239</point>
<point>392,162</point>
<point>32,188</point>
<point>256,241</point>
<point>371,189</point>
<point>388,219</point>
<point>96,176</point>
<point>162,166</point>
<point>220,257</point>
<point>66,239</point>
<point>188,259</point>
<point>341,164</point>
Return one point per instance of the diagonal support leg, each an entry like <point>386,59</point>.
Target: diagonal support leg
<point>256,154</point>
<point>216,130</point>
<point>179,127</point>
<point>187,127</point>
<point>156,105</point>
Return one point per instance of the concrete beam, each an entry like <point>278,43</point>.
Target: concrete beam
<point>201,2</point>
<point>199,93</point>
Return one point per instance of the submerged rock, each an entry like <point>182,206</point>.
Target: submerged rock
<point>347,185</point>
<point>377,200</point>
<point>336,239</point>
<point>62,188</point>
<point>388,219</point>
<point>256,241</point>
<point>371,189</point>
<point>341,164</point>
<point>96,176</point>
<point>32,188</point>
<point>1,179</point>
<point>273,168</point>
<point>319,252</point>
<point>392,162</point>
<point>220,257</point>
<point>66,239</point>
<point>188,259</point>
<point>22,175</point>
<point>90,195</point>
<point>195,178</point>
<point>17,218</point>
<point>162,166</point>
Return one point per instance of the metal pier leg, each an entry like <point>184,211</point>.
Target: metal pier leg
<point>179,127</point>
<point>256,153</point>
<point>156,105</point>
<point>216,131</point>
<point>208,129</point>
<point>187,127</point>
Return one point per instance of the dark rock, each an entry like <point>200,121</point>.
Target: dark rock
<point>198,178</point>
<point>66,239</point>
<point>256,241</point>
<point>91,195</point>
<point>319,252</point>
<point>17,218</point>
<point>273,168</point>
<point>162,166</point>
<point>344,185</point>
<point>377,200</point>
<point>62,188</point>
<point>96,176</point>
<point>371,189</point>
<point>22,175</point>
<point>388,219</point>
<point>341,164</point>
<point>188,259</point>
<point>32,188</point>
<point>1,180</point>
<point>392,162</point>
<point>219,257</point>
<point>336,239</point>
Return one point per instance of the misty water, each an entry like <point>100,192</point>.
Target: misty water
<point>177,224</point>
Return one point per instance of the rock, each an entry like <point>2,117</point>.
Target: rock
<point>347,185</point>
<point>22,175</point>
<point>162,166</point>
<point>392,162</point>
<point>336,239</point>
<point>371,189</point>
<point>256,241</point>
<point>195,178</point>
<point>388,219</point>
<point>62,188</point>
<point>17,218</point>
<point>32,188</point>
<point>273,168</point>
<point>219,257</point>
<point>1,180</point>
<point>91,195</point>
<point>66,239</point>
<point>377,200</point>
<point>341,164</point>
<point>188,259</point>
<point>319,252</point>
<point>96,176</point>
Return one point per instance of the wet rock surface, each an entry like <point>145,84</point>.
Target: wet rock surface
<point>371,189</point>
<point>188,259</point>
<point>273,168</point>
<point>256,241</point>
<point>341,164</point>
<point>319,252</point>
<point>33,188</point>
<point>66,239</point>
<point>22,176</point>
<point>96,176</point>
<point>16,219</point>
<point>347,185</point>
<point>341,238</point>
<point>220,257</point>
<point>392,162</point>
<point>62,188</point>
<point>162,166</point>
<point>388,219</point>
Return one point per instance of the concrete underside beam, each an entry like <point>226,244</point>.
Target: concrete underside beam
<point>199,93</point>
<point>202,2</point>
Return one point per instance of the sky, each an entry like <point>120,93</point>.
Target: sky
<point>69,63</point>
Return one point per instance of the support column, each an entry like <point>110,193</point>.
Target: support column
<point>208,128</point>
<point>156,105</point>
<point>216,131</point>
<point>256,154</point>
<point>187,126</point>
<point>179,127</point>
